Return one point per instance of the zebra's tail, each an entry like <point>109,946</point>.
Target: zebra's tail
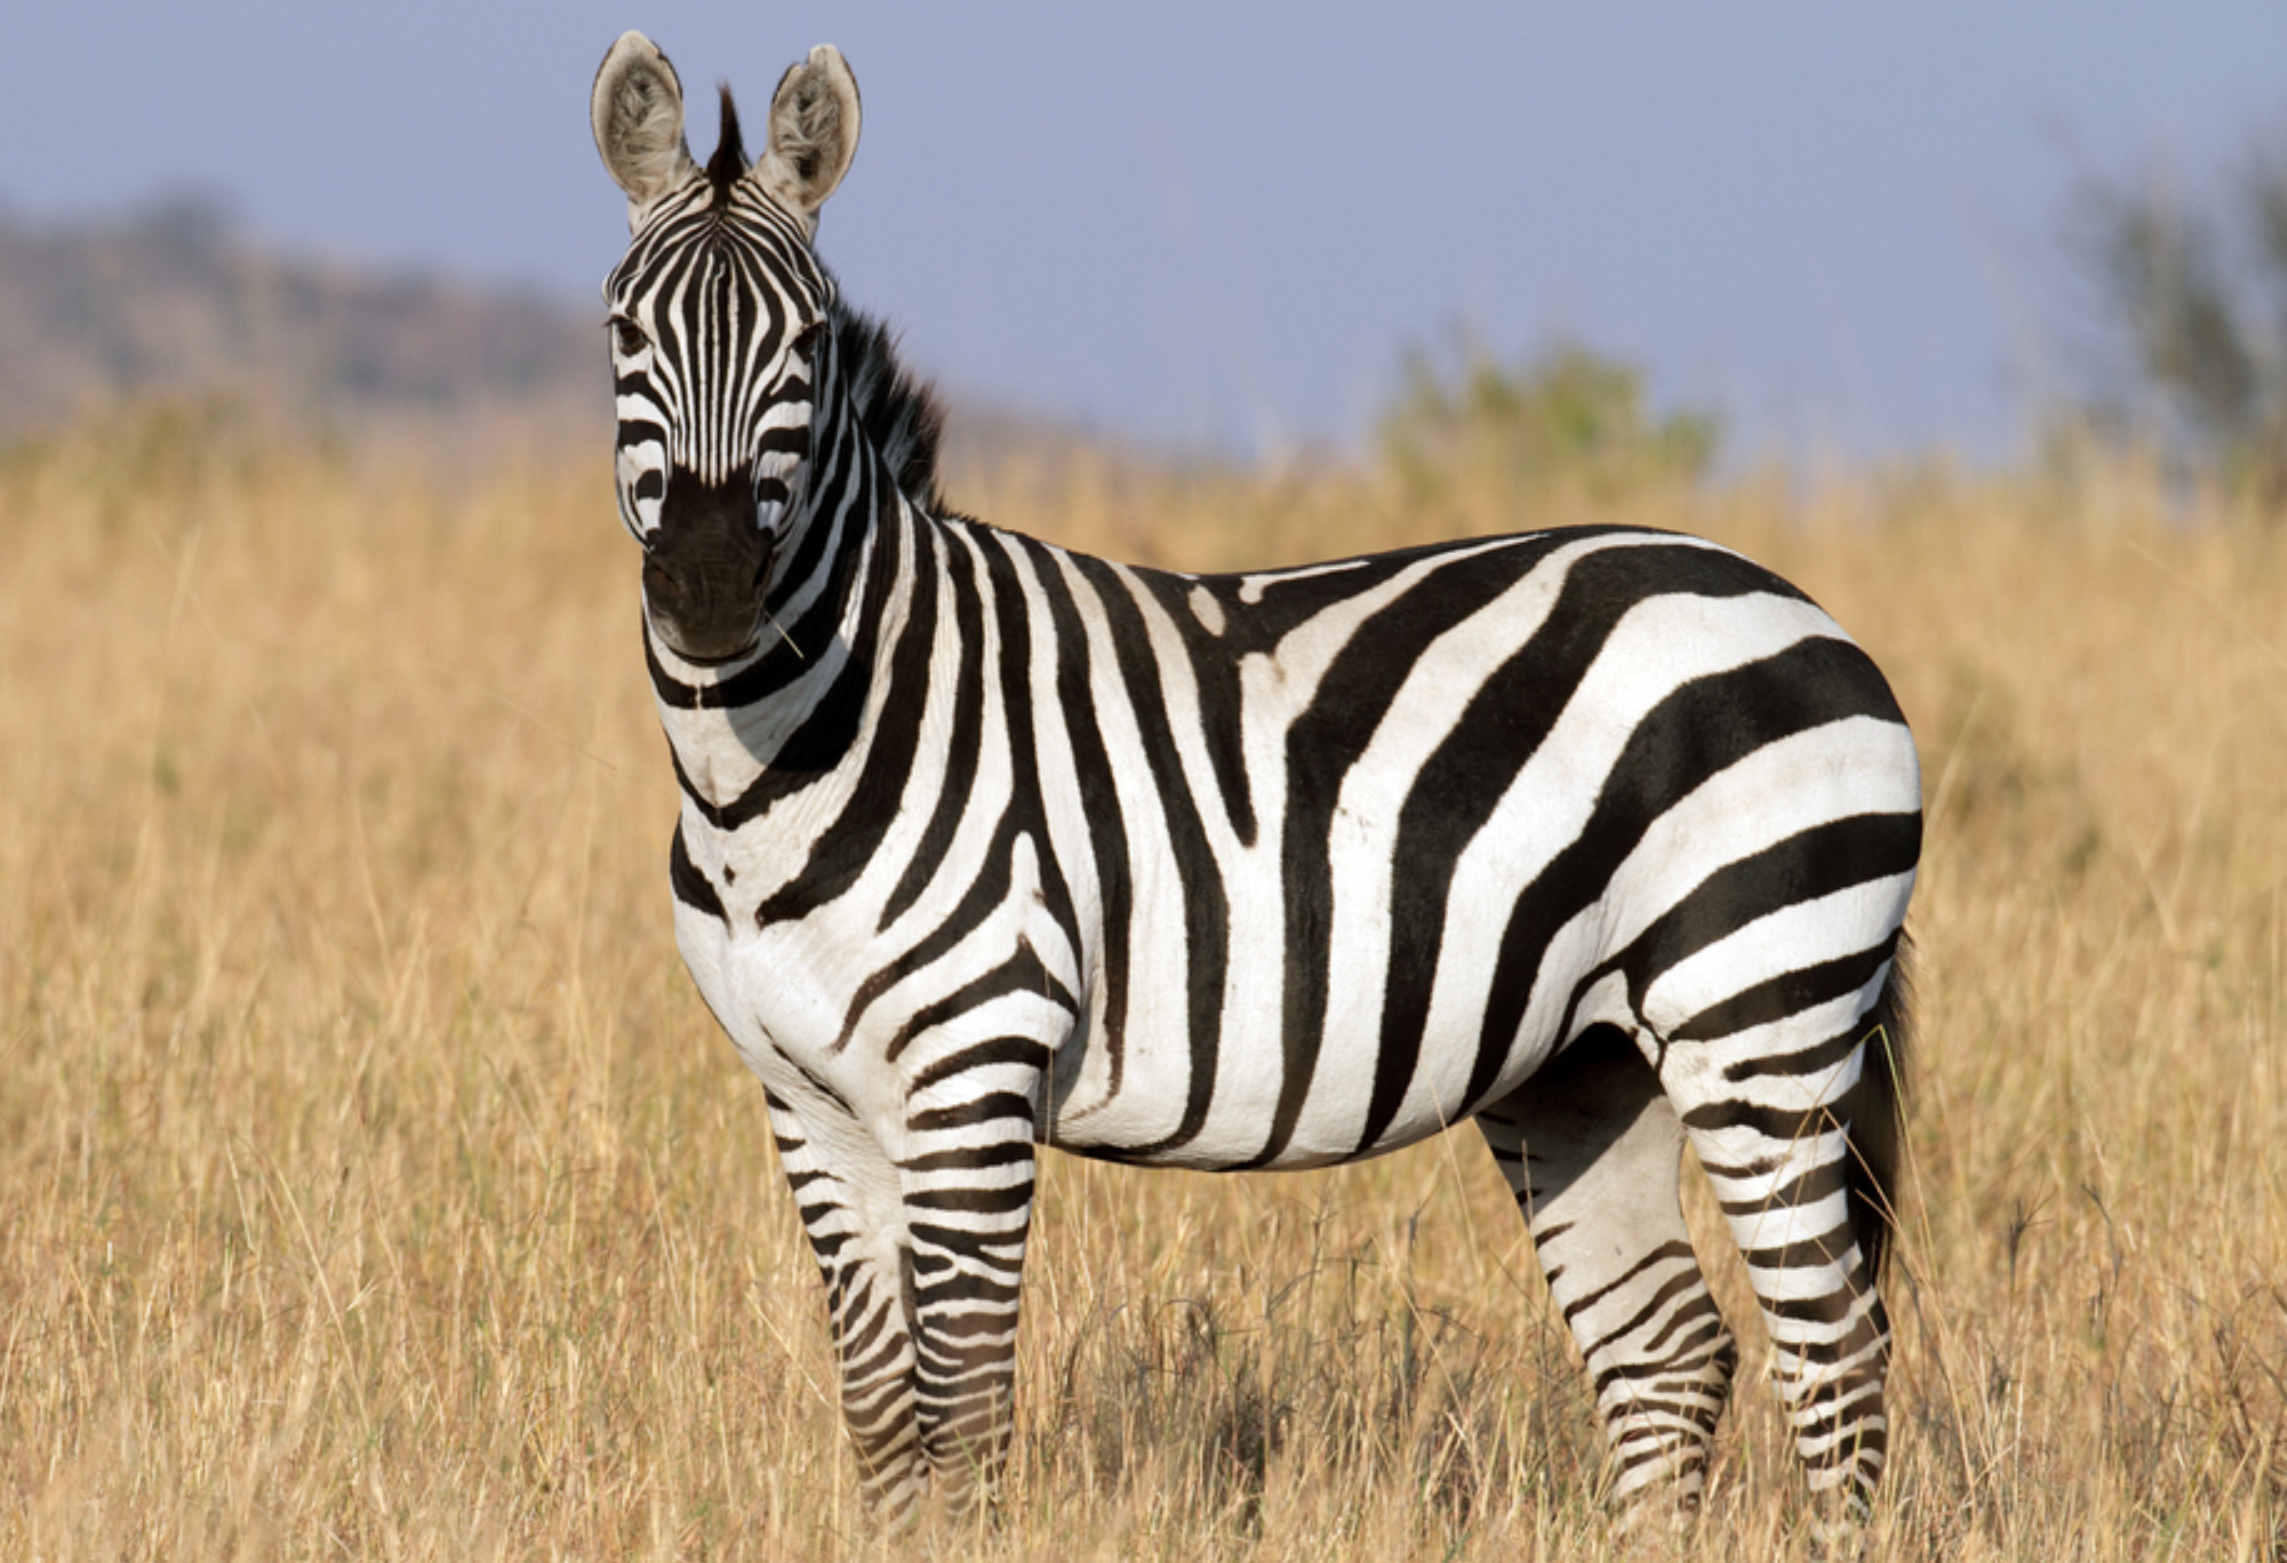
<point>1878,1115</point>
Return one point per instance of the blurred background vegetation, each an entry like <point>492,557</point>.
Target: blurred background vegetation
<point>1567,415</point>
<point>2185,278</point>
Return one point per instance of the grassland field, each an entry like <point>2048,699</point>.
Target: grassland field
<point>372,1184</point>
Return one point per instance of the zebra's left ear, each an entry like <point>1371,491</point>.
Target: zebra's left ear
<point>813,132</point>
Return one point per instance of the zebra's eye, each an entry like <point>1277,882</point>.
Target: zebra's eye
<point>806,344</point>
<point>627,337</point>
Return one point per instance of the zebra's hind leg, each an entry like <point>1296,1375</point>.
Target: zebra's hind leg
<point>1795,1122</point>
<point>1591,1149</point>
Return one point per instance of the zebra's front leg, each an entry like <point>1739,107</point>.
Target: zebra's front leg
<point>1592,1151</point>
<point>923,1260</point>
<point>869,1309</point>
<point>968,1194</point>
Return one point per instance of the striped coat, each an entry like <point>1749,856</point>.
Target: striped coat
<point>1603,838</point>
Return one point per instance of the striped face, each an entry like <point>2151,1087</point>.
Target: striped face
<point>719,334</point>
<point>718,328</point>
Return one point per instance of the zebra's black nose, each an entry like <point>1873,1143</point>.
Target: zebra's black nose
<point>704,571</point>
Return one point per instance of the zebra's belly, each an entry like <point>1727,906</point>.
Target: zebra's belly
<point>1237,1132</point>
<point>1355,1088</point>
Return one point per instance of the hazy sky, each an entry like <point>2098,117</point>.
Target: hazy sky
<point>1225,223</point>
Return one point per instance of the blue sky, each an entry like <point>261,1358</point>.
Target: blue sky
<point>1224,224</point>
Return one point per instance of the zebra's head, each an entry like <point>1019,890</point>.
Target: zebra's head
<point>719,333</point>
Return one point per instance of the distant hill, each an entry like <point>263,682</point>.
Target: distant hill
<point>174,300</point>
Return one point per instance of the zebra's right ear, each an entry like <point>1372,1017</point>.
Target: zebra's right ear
<point>638,114</point>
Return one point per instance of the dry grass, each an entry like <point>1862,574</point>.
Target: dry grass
<point>376,1187</point>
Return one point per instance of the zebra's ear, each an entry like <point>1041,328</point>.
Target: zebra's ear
<point>813,132</point>
<point>638,113</point>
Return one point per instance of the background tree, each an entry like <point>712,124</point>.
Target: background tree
<point>2191,289</point>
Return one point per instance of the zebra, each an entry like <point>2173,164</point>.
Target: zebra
<point>1601,837</point>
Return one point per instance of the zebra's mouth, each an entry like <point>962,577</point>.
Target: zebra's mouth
<point>705,619</point>
<point>698,660</point>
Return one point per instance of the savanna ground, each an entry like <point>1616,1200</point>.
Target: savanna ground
<point>375,1186</point>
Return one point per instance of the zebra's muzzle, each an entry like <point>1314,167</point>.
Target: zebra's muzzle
<point>705,569</point>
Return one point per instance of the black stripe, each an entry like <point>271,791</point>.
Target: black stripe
<point>1206,906</point>
<point>1789,993</point>
<point>1020,973</point>
<point>1214,660</point>
<point>1784,1125</point>
<point>1457,790</point>
<point>987,1200</point>
<point>1818,861</point>
<point>973,1158</point>
<point>814,750</point>
<point>843,850</point>
<point>989,1108</point>
<point>1349,705</point>
<point>960,750</point>
<point>1824,1180</point>
<point>986,896</point>
<point>1099,808</point>
<point>1005,596</point>
<point>959,1240</point>
<point>1000,1050</point>
<point>691,887</point>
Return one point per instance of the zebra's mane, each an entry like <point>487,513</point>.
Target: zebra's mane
<point>728,166</point>
<point>897,411</point>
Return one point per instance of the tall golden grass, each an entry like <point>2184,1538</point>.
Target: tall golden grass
<point>375,1186</point>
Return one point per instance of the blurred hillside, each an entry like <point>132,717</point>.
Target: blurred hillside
<point>173,301</point>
